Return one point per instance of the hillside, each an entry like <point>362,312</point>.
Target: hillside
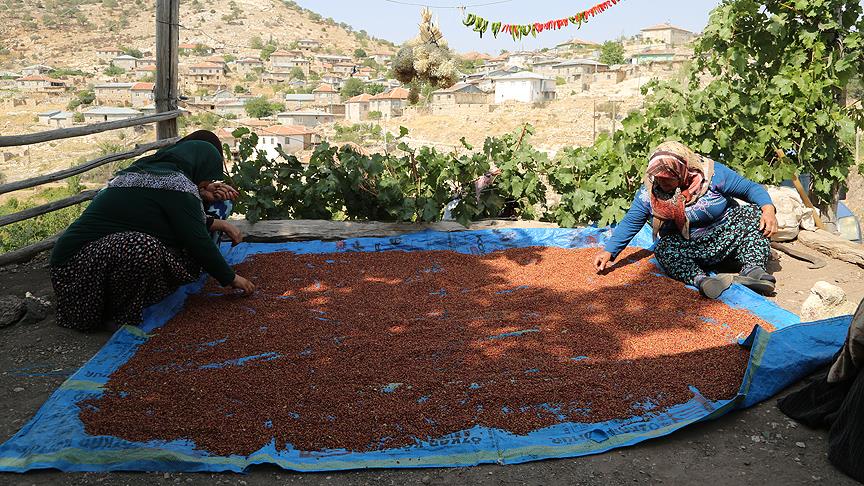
<point>66,33</point>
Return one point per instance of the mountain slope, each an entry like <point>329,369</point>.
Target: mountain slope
<point>66,33</point>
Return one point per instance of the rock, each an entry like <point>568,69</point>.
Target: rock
<point>37,309</point>
<point>825,301</point>
<point>801,445</point>
<point>17,389</point>
<point>12,309</point>
<point>426,480</point>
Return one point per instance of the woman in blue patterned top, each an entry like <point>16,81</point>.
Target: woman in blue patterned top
<point>690,200</point>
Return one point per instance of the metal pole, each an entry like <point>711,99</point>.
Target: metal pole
<point>167,39</point>
<point>594,120</point>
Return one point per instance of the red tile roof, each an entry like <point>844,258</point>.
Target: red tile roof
<point>361,98</point>
<point>142,87</point>
<point>147,68</point>
<point>286,130</point>
<point>324,88</point>
<point>393,94</point>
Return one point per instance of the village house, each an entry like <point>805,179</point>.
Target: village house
<point>105,54</point>
<point>145,72</point>
<point>486,82</point>
<point>332,79</point>
<point>381,57</point>
<point>204,75</point>
<point>101,114</point>
<point>236,107</point>
<point>666,34</point>
<point>364,74</point>
<point>325,94</point>
<point>390,103</point>
<point>285,61</point>
<point>61,119</point>
<point>546,66</point>
<point>189,48</point>
<point>308,44</point>
<point>127,63</point>
<point>216,60</point>
<point>608,78</point>
<point>45,116</point>
<point>247,65</point>
<point>344,68</point>
<point>332,58</point>
<point>309,119</point>
<point>521,59</point>
<point>36,70</point>
<point>526,87</point>
<point>495,63</point>
<point>276,76</point>
<point>38,83</point>
<point>459,94</point>
<point>578,69</point>
<point>662,54</point>
<point>578,46</point>
<point>291,138</point>
<point>146,61</point>
<point>113,93</point>
<point>227,137</point>
<point>297,101</point>
<point>142,94</point>
<point>357,108</point>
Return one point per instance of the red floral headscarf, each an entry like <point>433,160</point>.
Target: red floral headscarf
<point>673,160</point>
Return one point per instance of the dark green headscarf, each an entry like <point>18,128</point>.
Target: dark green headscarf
<point>196,159</point>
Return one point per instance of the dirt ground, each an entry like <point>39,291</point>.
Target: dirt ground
<point>754,446</point>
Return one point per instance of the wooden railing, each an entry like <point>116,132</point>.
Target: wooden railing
<point>167,36</point>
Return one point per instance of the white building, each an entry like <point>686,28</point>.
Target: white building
<point>526,87</point>
<point>285,61</point>
<point>109,113</point>
<point>521,59</point>
<point>305,118</point>
<point>247,65</point>
<point>108,53</point>
<point>325,94</point>
<point>145,72</point>
<point>291,138</point>
<point>45,116</point>
<point>390,103</point>
<point>125,62</point>
<point>142,94</point>
<point>63,119</point>
<point>308,44</point>
<point>357,108</point>
<point>36,70</point>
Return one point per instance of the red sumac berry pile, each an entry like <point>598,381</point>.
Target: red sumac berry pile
<point>364,351</point>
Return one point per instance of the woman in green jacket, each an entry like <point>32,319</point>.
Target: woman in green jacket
<point>142,237</point>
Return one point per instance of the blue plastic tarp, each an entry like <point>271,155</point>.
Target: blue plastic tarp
<point>55,437</point>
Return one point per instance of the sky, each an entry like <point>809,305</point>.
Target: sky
<point>398,23</point>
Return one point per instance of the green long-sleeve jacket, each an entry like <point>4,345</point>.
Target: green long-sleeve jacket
<point>173,217</point>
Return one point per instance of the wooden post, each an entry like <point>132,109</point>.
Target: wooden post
<point>167,39</point>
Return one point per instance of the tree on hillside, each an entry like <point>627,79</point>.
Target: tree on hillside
<point>297,73</point>
<point>359,53</point>
<point>256,43</point>
<point>260,107</point>
<point>374,88</point>
<point>612,52</point>
<point>113,70</point>
<point>267,50</point>
<point>131,51</point>
<point>352,87</point>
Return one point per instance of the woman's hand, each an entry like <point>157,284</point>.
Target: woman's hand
<point>242,284</point>
<point>768,221</point>
<point>601,260</point>
<point>217,191</point>
<point>229,229</point>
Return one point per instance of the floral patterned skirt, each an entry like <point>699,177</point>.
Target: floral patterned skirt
<point>738,240</point>
<point>111,280</point>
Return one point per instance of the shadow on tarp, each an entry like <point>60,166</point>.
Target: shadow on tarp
<point>55,437</point>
